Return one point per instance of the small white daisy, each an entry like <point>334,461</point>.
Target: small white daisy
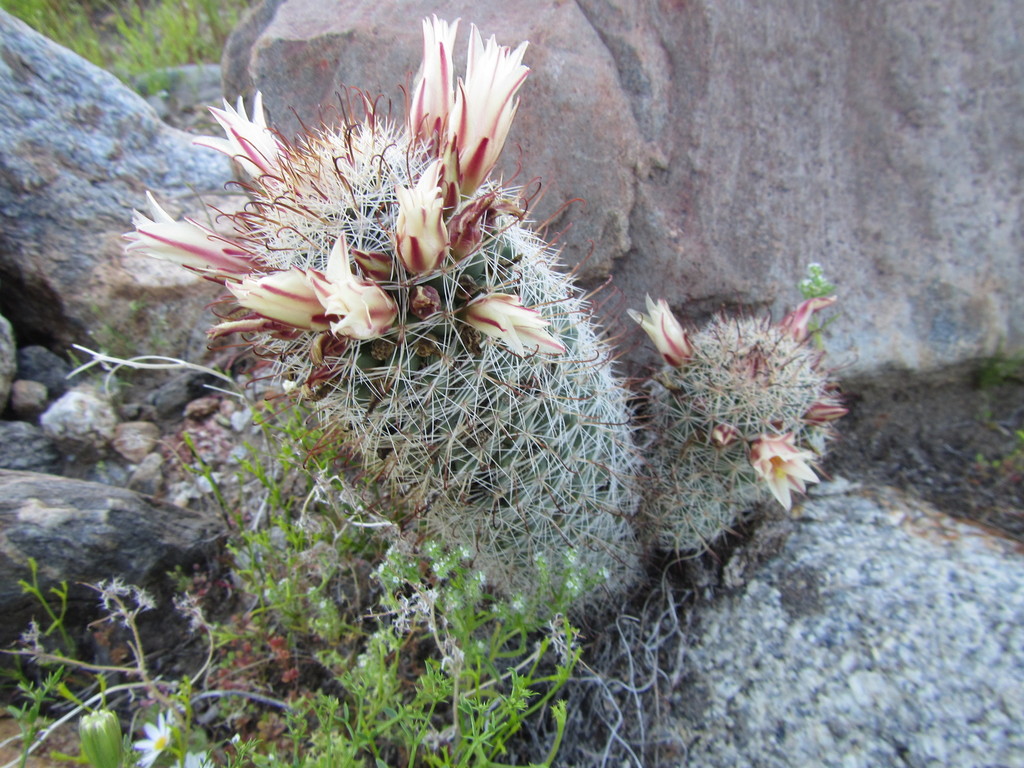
<point>158,739</point>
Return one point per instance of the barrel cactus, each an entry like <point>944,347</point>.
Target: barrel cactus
<point>396,289</point>
<point>741,412</point>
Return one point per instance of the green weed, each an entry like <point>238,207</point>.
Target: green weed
<point>134,38</point>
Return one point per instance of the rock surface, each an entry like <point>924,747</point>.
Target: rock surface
<point>82,422</point>
<point>884,633</point>
<point>721,148</point>
<point>82,533</point>
<point>78,150</point>
<point>26,447</point>
<point>7,360</point>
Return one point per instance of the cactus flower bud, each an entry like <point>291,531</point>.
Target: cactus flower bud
<point>485,105</point>
<point>503,316</point>
<point>782,465</point>
<point>101,740</point>
<point>820,414</point>
<point>287,297</point>
<point>666,333</point>
<point>373,264</point>
<point>796,322</point>
<point>724,435</point>
<point>420,235</point>
<point>362,308</point>
<point>432,98</point>
<point>187,243</point>
<point>425,301</point>
<point>249,142</point>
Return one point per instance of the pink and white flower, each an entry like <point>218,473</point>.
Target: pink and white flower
<point>421,239</point>
<point>502,316</point>
<point>357,309</point>
<point>796,322</point>
<point>484,108</point>
<point>433,97</point>
<point>187,243</point>
<point>287,297</point>
<point>665,331</point>
<point>782,465</point>
<point>249,142</point>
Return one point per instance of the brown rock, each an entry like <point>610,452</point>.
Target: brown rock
<point>720,149</point>
<point>135,439</point>
<point>28,399</point>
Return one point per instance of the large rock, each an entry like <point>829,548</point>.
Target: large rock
<point>868,630</point>
<point>884,633</point>
<point>721,148</point>
<point>84,533</point>
<point>8,360</point>
<point>78,150</point>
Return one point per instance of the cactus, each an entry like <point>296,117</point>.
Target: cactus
<point>395,289</point>
<point>740,411</point>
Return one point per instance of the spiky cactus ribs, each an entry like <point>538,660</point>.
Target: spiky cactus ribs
<point>395,289</point>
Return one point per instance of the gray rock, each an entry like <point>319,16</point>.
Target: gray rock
<point>78,150</point>
<point>7,360</point>
<point>28,399</point>
<point>36,363</point>
<point>82,423</point>
<point>721,148</point>
<point>83,533</point>
<point>148,476</point>
<point>883,633</point>
<point>26,447</point>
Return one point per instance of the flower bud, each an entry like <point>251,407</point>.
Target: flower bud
<point>101,740</point>
<point>796,322</point>
<point>502,316</point>
<point>820,414</point>
<point>420,235</point>
<point>425,302</point>
<point>724,435</point>
<point>666,333</point>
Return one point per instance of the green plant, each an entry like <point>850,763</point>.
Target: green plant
<point>134,38</point>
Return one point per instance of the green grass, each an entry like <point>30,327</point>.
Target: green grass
<point>133,38</point>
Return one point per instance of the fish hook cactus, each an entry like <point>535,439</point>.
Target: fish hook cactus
<point>741,411</point>
<point>395,287</point>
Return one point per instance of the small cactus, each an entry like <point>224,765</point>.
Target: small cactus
<point>395,289</point>
<point>742,410</point>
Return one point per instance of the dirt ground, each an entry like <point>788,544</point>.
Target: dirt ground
<point>954,442</point>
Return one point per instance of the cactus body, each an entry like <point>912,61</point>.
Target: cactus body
<point>525,460</point>
<point>746,378</point>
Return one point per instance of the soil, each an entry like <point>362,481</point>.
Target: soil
<point>955,443</point>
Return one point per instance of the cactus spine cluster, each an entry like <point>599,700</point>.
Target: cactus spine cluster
<point>395,289</point>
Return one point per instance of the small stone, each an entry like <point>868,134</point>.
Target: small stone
<point>6,360</point>
<point>81,422</point>
<point>37,363</point>
<point>135,439</point>
<point>202,408</point>
<point>148,477</point>
<point>28,399</point>
<point>26,447</point>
